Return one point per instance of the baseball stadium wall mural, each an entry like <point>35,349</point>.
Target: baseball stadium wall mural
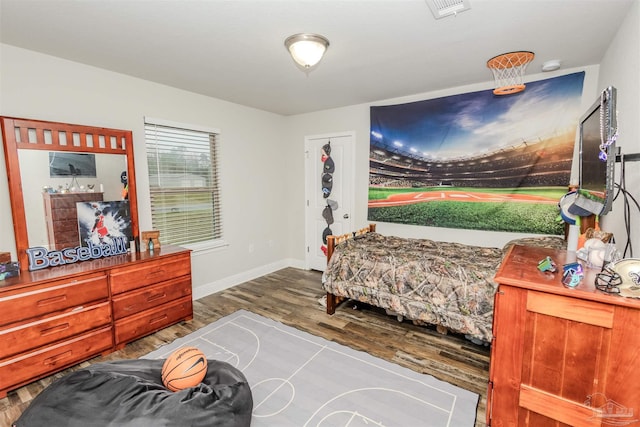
<point>476,160</point>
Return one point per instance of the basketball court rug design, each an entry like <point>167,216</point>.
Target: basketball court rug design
<point>298,379</point>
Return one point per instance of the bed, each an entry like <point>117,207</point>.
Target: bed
<point>449,285</point>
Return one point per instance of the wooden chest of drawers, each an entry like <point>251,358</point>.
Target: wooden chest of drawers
<point>51,325</point>
<point>149,296</point>
<point>560,356</point>
<point>52,319</point>
<point>61,216</point>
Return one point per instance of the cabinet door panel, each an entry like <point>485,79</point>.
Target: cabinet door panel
<point>592,313</point>
<point>563,356</point>
<point>547,409</point>
<point>623,375</point>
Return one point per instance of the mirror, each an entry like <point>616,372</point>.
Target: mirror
<point>32,147</point>
<point>106,181</point>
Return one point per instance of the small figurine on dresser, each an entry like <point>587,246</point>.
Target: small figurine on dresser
<point>151,239</point>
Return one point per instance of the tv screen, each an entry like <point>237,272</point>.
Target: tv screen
<point>597,151</point>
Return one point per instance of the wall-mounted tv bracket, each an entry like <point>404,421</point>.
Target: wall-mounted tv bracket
<point>635,157</point>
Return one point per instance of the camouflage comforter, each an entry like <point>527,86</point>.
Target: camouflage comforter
<point>441,283</point>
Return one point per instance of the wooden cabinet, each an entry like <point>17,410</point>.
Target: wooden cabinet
<point>50,325</point>
<point>61,216</point>
<point>561,356</point>
<point>54,318</point>
<point>149,296</point>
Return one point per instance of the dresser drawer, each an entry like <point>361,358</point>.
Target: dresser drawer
<point>28,367</point>
<point>151,296</point>
<point>149,321</point>
<point>23,337</point>
<point>54,297</point>
<point>144,274</point>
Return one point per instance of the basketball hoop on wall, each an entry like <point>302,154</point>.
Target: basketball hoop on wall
<point>508,70</point>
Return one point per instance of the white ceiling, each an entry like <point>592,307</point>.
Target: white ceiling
<point>380,49</point>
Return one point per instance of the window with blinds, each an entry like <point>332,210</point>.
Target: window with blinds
<point>183,182</point>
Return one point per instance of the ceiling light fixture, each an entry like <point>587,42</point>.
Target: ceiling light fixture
<point>306,49</point>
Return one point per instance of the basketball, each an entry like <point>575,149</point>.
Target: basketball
<point>184,368</point>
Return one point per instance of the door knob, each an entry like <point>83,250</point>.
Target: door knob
<point>345,216</point>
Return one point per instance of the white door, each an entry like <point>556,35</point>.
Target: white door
<point>329,176</point>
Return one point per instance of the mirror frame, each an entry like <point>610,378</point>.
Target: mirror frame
<point>77,138</point>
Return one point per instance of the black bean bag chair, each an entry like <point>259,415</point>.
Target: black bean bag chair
<point>130,393</point>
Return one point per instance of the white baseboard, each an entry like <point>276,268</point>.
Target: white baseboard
<point>228,282</point>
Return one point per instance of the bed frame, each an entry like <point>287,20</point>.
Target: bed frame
<point>332,241</point>
<point>445,284</point>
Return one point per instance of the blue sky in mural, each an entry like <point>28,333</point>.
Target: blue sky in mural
<point>477,122</point>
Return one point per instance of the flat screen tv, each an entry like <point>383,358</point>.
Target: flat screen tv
<point>598,133</point>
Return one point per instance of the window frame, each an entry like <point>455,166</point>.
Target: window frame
<point>206,245</point>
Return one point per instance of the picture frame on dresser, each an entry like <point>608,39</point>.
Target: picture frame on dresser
<point>101,221</point>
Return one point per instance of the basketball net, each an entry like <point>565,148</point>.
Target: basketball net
<point>508,70</point>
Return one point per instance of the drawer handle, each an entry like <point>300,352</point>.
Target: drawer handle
<point>155,273</point>
<point>158,319</point>
<point>58,328</point>
<point>52,300</point>
<point>55,359</point>
<point>156,297</point>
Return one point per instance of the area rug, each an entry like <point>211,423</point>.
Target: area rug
<point>298,379</point>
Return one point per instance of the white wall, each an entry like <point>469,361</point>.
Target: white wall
<point>619,68</point>
<point>262,169</point>
<point>253,171</point>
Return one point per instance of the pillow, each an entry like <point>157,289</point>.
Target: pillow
<point>551,242</point>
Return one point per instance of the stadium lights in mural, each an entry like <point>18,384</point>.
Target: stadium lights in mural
<point>476,160</point>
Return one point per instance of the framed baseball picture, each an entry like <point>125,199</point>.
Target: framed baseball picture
<point>100,222</point>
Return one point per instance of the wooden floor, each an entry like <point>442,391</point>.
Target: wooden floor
<point>291,296</point>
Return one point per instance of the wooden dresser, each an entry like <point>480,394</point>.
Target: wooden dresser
<point>61,216</point>
<point>55,318</point>
<point>561,356</point>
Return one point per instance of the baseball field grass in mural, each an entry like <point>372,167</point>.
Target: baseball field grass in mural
<point>534,210</point>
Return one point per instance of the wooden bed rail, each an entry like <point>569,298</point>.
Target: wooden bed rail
<point>332,241</point>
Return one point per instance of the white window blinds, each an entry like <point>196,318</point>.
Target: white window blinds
<point>183,184</point>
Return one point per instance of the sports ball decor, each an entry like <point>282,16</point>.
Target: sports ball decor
<point>186,367</point>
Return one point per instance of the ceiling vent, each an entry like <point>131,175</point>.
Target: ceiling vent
<point>442,8</point>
